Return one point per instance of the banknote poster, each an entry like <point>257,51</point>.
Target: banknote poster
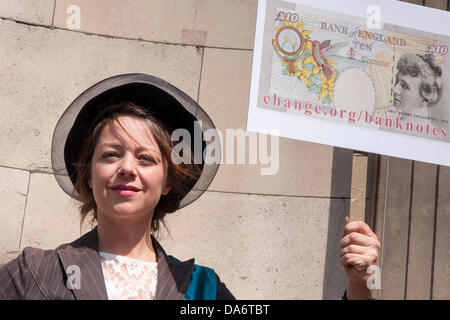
<point>340,79</point>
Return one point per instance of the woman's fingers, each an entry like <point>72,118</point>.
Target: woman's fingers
<point>357,226</point>
<point>359,261</point>
<point>359,250</point>
<point>360,240</point>
<point>356,249</point>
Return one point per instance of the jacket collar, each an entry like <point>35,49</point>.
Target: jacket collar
<point>173,276</point>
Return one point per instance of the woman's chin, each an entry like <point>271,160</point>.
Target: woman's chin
<point>124,211</point>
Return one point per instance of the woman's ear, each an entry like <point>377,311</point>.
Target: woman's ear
<point>167,187</point>
<point>167,181</point>
<point>90,183</point>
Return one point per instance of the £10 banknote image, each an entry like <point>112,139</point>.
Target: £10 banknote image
<point>333,67</point>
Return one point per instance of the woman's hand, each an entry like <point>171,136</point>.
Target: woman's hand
<point>359,250</point>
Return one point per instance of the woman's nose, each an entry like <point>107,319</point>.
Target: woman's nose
<point>397,88</point>
<point>127,165</point>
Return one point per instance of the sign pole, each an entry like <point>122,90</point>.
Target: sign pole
<point>359,182</point>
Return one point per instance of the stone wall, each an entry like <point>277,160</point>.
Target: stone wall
<point>268,237</point>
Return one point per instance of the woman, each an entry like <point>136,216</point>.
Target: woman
<point>112,150</point>
<point>418,86</point>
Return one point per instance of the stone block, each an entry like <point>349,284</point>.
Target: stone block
<point>50,68</point>
<point>36,11</point>
<point>213,23</point>
<point>159,21</point>
<point>51,217</point>
<point>13,195</point>
<point>228,23</point>
<point>262,247</point>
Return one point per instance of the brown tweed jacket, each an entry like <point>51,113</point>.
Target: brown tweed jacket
<point>38,274</point>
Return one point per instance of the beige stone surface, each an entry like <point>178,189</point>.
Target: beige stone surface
<point>304,168</point>
<point>225,86</point>
<point>268,237</point>
<point>13,193</point>
<point>228,23</point>
<point>44,70</point>
<point>31,11</point>
<point>159,20</point>
<point>218,23</point>
<point>51,217</point>
<point>262,247</point>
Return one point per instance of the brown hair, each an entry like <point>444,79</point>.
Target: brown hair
<point>181,176</point>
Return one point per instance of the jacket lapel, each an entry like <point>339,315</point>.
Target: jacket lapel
<point>173,276</point>
<point>82,257</point>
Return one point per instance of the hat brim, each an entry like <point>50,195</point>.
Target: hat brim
<point>167,103</point>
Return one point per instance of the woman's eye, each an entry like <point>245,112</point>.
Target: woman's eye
<point>110,155</point>
<point>147,158</point>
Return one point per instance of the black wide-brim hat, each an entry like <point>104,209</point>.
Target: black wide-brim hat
<point>168,104</point>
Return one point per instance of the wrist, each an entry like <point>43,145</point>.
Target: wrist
<point>357,292</point>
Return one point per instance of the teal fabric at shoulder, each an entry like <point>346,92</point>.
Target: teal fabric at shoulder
<point>203,285</point>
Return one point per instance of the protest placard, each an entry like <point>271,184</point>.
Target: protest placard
<point>354,74</point>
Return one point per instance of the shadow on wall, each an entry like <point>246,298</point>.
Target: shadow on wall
<point>335,281</point>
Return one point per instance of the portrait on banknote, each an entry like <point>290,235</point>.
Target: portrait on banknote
<point>418,87</point>
<point>328,66</point>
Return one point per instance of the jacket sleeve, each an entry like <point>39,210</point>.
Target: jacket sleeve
<point>222,291</point>
<point>17,278</point>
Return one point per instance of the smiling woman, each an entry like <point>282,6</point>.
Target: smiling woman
<point>127,141</point>
<point>112,151</point>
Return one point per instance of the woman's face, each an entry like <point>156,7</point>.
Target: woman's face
<point>407,92</point>
<point>128,172</point>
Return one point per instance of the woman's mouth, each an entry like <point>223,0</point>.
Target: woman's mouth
<point>125,190</point>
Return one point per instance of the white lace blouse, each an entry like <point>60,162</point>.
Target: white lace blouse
<point>127,278</point>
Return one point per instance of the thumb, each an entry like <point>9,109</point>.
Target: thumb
<point>346,222</point>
